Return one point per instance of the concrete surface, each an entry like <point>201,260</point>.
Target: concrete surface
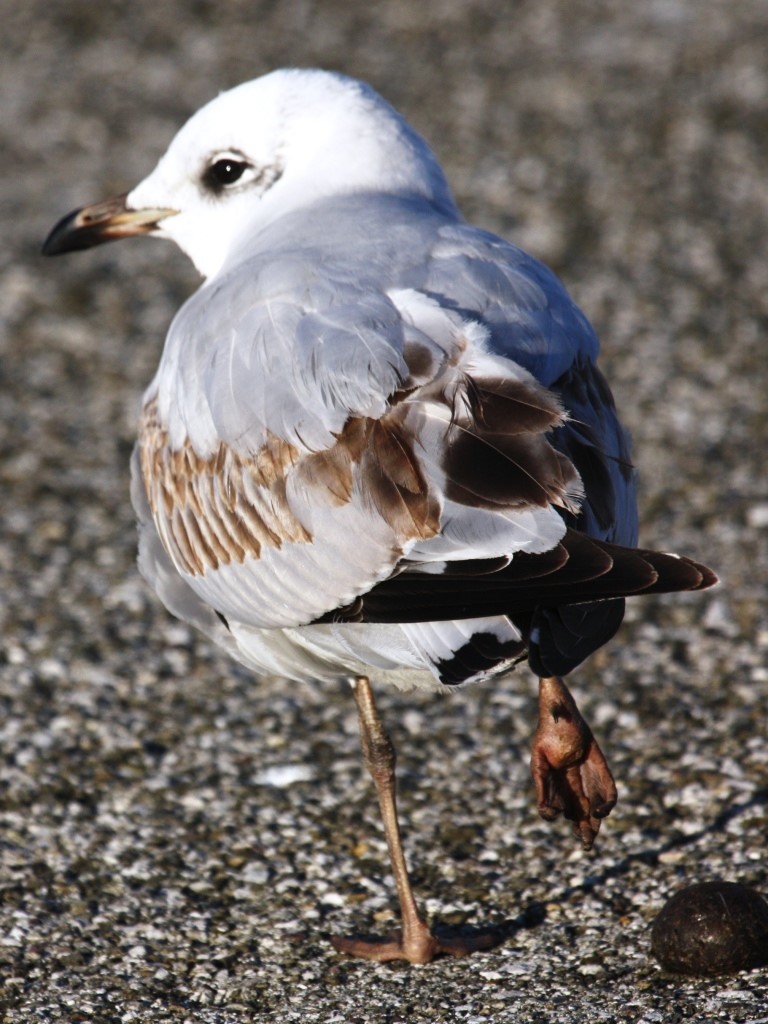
<point>156,862</point>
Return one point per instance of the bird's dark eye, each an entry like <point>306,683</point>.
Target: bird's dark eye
<point>224,171</point>
<point>227,170</point>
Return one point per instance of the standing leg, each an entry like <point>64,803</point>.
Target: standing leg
<point>415,942</point>
<point>569,770</point>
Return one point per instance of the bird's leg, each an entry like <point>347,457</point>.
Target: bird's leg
<point>414,942</point>
<point>569,769</point>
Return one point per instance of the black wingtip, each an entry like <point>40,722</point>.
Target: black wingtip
<point>678,573</point>
<point>708,578</point>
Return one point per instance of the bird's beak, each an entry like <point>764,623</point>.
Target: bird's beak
<point>101,222</point>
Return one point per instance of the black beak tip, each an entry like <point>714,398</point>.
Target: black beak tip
<point>67,236</point>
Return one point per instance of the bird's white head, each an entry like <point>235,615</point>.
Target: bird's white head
<point>260,150</point>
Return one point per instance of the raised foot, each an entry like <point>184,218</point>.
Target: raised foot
<point>569,769</point>
<point>421,948</point>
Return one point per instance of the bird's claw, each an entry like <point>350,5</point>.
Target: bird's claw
<point>569,769</point>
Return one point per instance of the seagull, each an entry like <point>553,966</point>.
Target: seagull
<point>377,444</point>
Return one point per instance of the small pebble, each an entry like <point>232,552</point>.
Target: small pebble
<point>712,928</point>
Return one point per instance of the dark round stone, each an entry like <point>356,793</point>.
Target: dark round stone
<point>712,928</point>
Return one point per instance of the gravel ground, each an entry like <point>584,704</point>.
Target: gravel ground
<point>158,862</point>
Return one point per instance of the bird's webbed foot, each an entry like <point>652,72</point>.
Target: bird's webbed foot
<point>569,769</point>
<point>417,944</point>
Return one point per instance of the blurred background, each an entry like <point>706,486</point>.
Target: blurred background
<point>178,839</point>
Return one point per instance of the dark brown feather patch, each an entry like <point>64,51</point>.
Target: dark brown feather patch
<point>498,456</point>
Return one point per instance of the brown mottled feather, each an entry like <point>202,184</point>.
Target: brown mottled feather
<point>227,507</point>
<point>219,509</point>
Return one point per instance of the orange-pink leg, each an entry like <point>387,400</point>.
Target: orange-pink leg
<point>414,942</point>
<point>569,770</point>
